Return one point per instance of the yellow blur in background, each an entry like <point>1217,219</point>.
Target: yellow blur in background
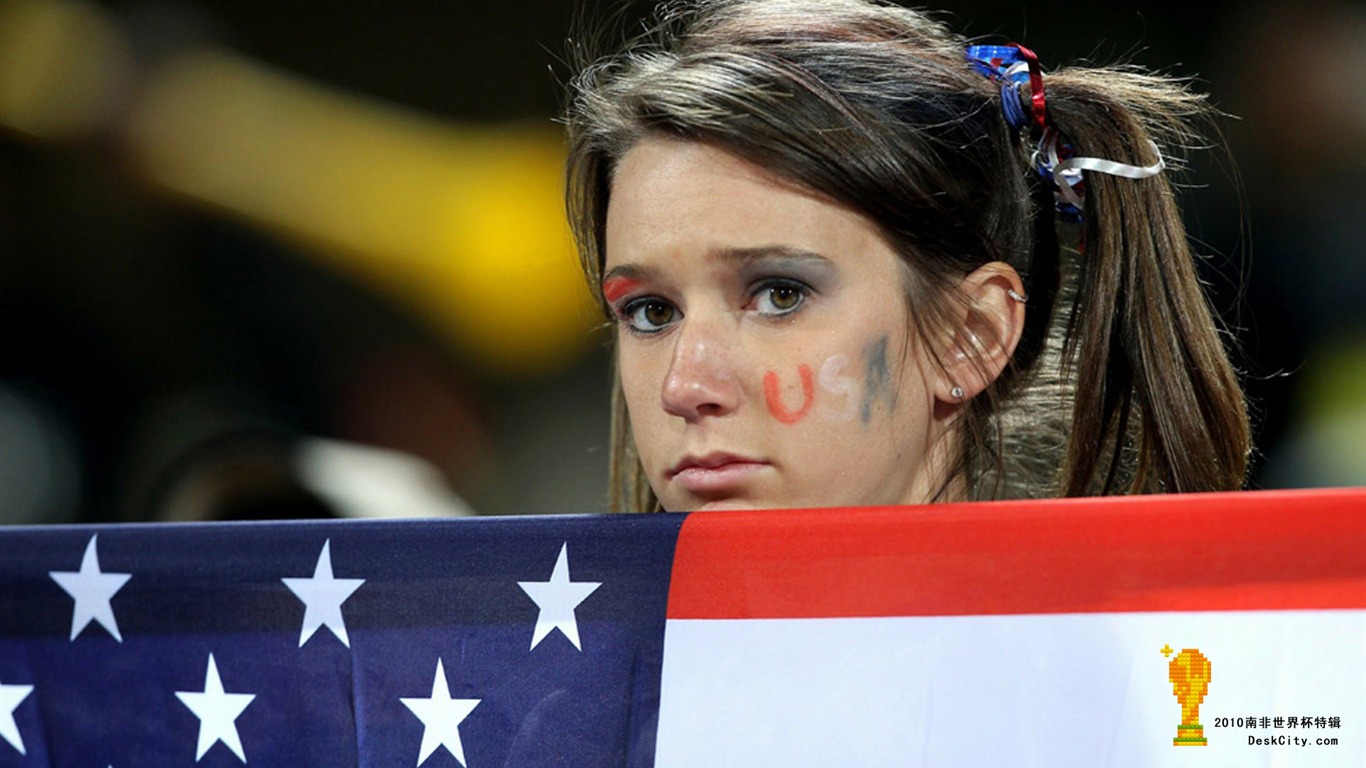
<point>463,225</point>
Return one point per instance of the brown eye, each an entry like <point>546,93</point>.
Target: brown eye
<point>658,313</point>
<point>784,297</point>
<point>649,315</point>
<point>780,297</point>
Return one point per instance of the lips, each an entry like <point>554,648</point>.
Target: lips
<point>715,473</point>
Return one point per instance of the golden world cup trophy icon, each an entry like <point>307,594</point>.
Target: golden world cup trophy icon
<point>1190,676</point>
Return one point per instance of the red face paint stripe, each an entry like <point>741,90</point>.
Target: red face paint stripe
<point>1267,550</point>
<point>617,287</point>
<point>773,396</point>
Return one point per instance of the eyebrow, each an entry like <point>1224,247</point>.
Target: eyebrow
<point>761,253</point>
<point>770,253</point>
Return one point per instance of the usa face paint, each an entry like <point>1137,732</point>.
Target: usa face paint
<point>844,388</point>
<point>773,396</point>
<point>616,287</point>
<point>877,383</point>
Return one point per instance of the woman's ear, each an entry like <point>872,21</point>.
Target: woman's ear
<point>988,328</point>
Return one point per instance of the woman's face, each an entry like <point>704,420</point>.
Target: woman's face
<point>764,342</point>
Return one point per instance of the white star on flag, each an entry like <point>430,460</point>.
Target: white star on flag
<point>557,600</point>
<point>10,698</point>
<point>441,717</point>
<point>92,590</point>
<point>217,712</point>
<point>322,596</point>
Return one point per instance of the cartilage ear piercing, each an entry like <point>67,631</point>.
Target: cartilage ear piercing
<point>956,393</point>
<point>1016,295</point>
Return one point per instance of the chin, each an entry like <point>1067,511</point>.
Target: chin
<point>718,505</point>
<point>731,504</point>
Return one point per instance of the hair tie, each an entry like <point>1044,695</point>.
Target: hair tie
<point>1014,65</point>
<point>1054,159</point>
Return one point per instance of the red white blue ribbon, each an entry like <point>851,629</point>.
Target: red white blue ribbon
<point>1054,158</point>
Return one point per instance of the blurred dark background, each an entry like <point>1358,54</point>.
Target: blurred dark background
<point>308,259</point>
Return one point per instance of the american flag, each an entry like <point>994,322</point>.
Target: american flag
<point>1028,633</point>
<point>470,642</point>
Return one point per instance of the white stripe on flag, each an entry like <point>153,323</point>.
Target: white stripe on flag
<point>1018,690</point>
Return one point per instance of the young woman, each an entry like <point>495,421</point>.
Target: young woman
<point>853,260</point>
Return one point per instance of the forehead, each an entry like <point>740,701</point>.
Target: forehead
<point>675,198</point>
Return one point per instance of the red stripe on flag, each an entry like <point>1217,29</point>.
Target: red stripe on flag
<point>1273,550</point>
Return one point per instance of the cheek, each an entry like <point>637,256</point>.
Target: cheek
<point>774,397</point>
<point>879,393</point>
<point>839,390</point>
<point>832,392</point>
<point>862,388</point>
<point>640,383</point>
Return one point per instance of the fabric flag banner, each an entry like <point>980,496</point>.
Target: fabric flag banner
<point>1203,630</point>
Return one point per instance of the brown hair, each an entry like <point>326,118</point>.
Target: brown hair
<point>1120,382</point>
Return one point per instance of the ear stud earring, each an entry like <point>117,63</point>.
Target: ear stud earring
<point>956,393</point>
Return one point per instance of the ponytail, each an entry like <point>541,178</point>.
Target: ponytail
<point>1152,377</point>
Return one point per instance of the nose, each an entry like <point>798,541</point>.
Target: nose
<point>701,379</point>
